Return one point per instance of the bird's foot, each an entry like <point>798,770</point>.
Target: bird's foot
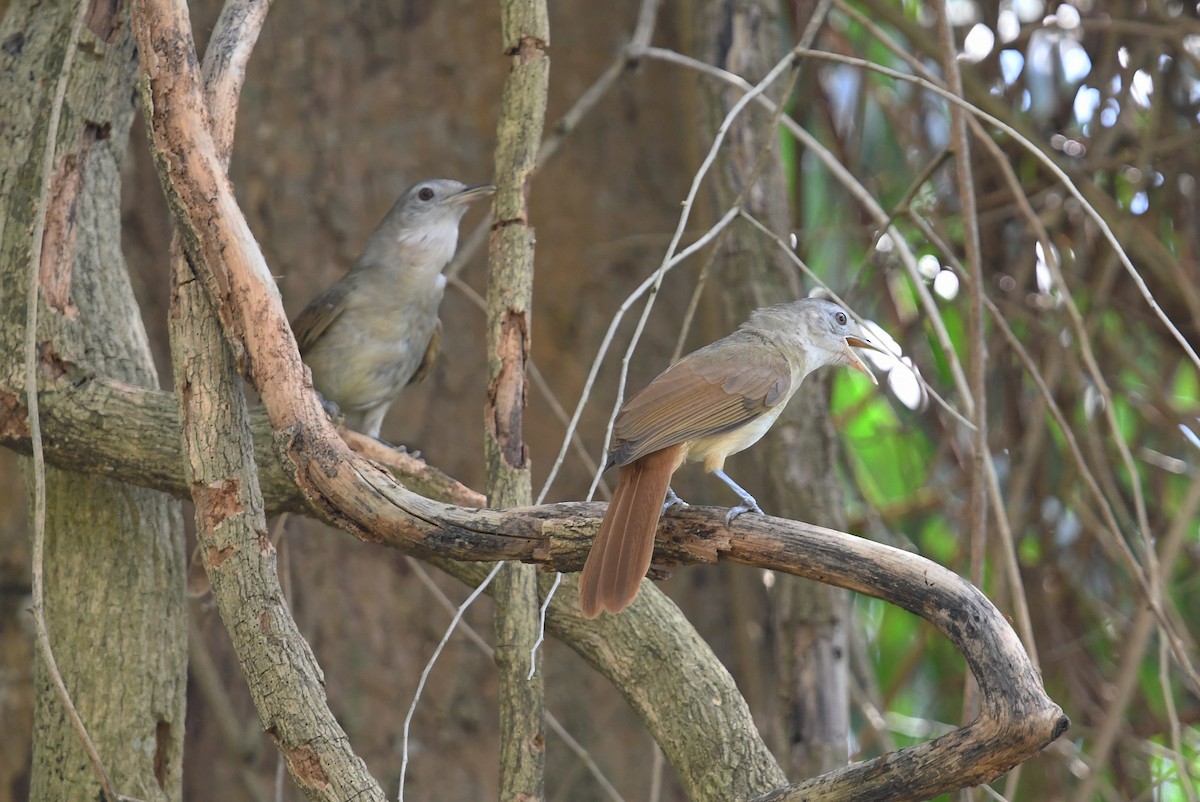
<point>331,409</point>
<point>673,500</point>
<point>750,505</point>
<point>401,448</point>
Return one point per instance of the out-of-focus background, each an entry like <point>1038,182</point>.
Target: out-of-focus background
<point>347,104</point>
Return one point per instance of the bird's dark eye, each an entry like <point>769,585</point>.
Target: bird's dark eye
<point>425,194</point>
<point>840,317</point>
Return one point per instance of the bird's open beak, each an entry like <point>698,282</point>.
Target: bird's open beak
<point>471,193</point>
<point>855,361</point>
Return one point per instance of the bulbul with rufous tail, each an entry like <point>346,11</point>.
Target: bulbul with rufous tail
<point>712,403</point>
<point>377,328</point>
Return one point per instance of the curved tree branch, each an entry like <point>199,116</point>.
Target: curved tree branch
<point>284,678</point>
<point>1017,718</point>
<point>1016,721</point>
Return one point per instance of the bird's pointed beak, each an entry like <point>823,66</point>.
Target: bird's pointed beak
<point>854,360</point>
<point>471,193</point>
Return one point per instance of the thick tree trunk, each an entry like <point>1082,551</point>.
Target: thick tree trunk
<point>794,474</point>
<point>114,553</point>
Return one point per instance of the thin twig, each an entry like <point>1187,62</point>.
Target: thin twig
<point>993,793</point>
<point>585,395</point>
<point>689,314</point>
<point>38,477</point>
<point>976,335</point>
<point>1177,757</point>
<point>238,739</point>
<point>786,64</point>
<point>412,708</point>
<point>868,202</point>
<point>656,774</point>
<point>1045,160</point>
<point>542,609</point>
<point>566,125</point>
<point>486,648</point>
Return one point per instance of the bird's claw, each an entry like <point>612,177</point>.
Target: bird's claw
<point>750,506</point>
<point>673,501</point>
<point>331,409</point>
<point>403,449</point>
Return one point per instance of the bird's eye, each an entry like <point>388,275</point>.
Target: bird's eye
<point>425,194</point>
<point>840,317</point>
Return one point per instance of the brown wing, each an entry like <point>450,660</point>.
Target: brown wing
<point>713,390</point>
<point>312,322</point>
<point>430,357</point>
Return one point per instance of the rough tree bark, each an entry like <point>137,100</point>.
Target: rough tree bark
<point>1020,718</point>
<point>525,33</point>
<point>114,552</point>
<point>231,527</point>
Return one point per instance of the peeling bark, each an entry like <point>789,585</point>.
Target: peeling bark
<point>525,30</point>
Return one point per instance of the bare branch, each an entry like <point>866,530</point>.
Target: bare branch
<point>1046,162</point>
<point>108,427</point>
<point>284,679</point>
<point>371,504</point>
<point>525,33</point>
<point>559,535</point>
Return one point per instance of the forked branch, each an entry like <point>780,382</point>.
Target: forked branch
<point>1017,718</point>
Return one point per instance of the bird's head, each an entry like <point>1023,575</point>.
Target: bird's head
<point>436,200</point>
<point>835,335</point>
<point>420,233</point>
<point>821,329</point>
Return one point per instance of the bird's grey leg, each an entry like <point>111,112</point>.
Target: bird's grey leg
<point>331,409</point>
<point>748,503</point>
<point>373,422</point>
<point>403,449</point>
<point>672,500</point>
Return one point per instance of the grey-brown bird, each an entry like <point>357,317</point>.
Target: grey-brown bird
<point>377,328</point>
<point>712,403</point>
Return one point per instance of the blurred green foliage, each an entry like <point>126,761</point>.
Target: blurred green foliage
<point>910,464</point>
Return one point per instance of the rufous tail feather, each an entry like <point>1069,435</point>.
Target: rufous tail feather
<point>621,554</point>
